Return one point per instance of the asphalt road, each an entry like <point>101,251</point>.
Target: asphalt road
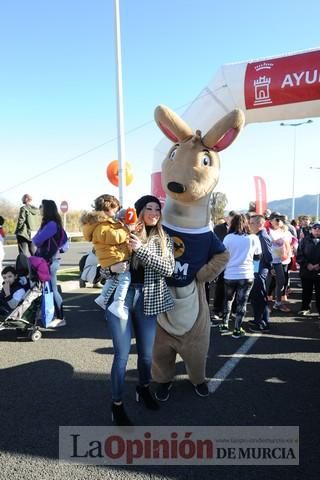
<point>68,259</point>
<point>64,379</point>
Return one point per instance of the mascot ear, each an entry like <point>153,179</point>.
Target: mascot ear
<point>171,124</point>
<point>225,131</point>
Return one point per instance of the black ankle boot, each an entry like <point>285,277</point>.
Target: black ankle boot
<point>119,415</point>
<point>147,398</point>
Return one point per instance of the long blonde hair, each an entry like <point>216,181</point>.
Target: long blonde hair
<point>156,231</point>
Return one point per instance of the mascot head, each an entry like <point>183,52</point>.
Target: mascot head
<point>191,169</point>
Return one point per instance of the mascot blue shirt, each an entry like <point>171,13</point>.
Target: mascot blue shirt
<point>193,248</point>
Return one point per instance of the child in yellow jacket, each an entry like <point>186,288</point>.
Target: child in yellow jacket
<point>109,236</point>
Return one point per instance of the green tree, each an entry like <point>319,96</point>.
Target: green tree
<point>9,212</point>
<point>218,205</point>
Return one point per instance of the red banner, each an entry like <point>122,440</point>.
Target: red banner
<point>261,195</point>
<point>291,79</point>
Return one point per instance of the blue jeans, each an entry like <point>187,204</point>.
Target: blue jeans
<point>120,293</point>
<point>258,297</point>
<point>54,267</point>
<point>144,328</point>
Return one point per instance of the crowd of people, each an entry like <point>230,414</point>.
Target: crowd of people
<point>284,247</point>
<point>46,243</point>
<point>137,259</point>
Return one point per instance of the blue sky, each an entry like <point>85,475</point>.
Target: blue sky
<point>58,91</point>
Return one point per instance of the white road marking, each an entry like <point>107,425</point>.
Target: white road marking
<point>222,374</point>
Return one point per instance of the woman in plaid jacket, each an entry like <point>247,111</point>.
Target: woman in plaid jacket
<point>148,295</point>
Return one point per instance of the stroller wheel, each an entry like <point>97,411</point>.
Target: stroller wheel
<point>36,335</point>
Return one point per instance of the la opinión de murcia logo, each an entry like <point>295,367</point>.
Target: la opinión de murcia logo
<point>132,451</point>
<point>197,445</point>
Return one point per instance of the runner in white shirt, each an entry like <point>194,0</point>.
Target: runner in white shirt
<point>243,248</point>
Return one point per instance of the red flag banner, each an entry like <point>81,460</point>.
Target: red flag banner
<point>261,194</point>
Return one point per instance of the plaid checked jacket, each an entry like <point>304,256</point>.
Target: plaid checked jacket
<point>157,296</point>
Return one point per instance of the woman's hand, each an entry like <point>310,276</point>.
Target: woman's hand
<point>139,226</point>
<point>120,267</point>
<point>134,242</point>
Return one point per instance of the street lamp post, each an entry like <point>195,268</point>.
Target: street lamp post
<point>120,116</point>
<point>318,196</point>
<point>282,124</point>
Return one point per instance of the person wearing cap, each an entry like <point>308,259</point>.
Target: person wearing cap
<point>148,295</point>
<point>308,257</point>
<point>282,241</point>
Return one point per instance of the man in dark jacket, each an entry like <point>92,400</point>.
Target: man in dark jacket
<point>308,257</point>
<point>258,294</point>
<point>27,222</point>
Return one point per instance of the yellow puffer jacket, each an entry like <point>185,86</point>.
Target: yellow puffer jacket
<point>108,236</point>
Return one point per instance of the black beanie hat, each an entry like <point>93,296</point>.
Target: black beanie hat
<point>142,202</point>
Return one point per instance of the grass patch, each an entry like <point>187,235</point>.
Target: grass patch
<point>65,275</point>
<point>77,239</point>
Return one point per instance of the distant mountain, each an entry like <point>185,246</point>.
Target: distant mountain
<point>306,205</point>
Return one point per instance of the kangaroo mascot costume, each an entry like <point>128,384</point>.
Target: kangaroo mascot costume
<point>189,174</point>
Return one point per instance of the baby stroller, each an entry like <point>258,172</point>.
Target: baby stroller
<point>26,316</point>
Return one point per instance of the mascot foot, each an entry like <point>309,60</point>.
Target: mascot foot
<point>144,394</point>
<point>163,391</point>
<point>202,389</point>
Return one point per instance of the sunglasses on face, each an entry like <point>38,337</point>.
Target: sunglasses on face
<point>277,219</point>
<point>317,227</point>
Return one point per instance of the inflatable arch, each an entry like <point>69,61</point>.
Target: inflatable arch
<point>268,89</point>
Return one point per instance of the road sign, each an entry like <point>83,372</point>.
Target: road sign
<point>64,207</point>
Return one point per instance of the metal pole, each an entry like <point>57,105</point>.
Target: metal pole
<point>282,124</point>
<point>293,174</point>
<point>121,145</point>
<point>318,197</point>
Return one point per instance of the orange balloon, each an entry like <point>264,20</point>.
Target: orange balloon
<point>113,173</point>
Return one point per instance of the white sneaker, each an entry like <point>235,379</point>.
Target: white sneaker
<point>119,310</point>
<point>57,322</point>
<point>101,301</point>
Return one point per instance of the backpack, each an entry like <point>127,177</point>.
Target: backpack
<point>66,243</point>
<point>55,244</point>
